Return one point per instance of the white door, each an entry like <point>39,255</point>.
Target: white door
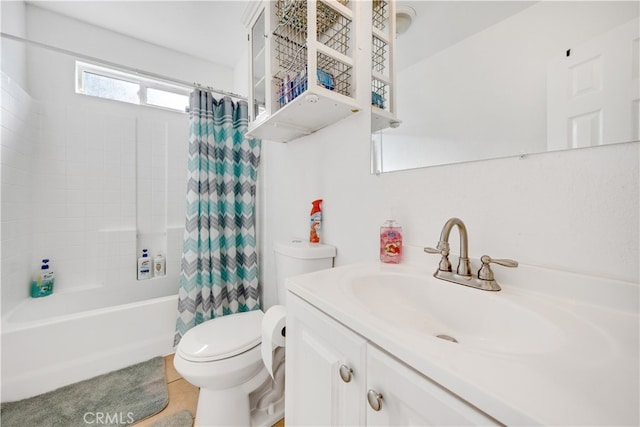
<point>317,349</point>
<point>593,92</point>
<point>406,398</point>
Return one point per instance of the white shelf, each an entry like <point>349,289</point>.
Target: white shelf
<point>309,112</point>
<point>292,60</point>
<point>382,119</point>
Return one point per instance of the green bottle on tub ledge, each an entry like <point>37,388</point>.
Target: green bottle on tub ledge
<point>42,284</point>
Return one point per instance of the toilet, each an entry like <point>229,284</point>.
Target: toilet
<point>222,356</point>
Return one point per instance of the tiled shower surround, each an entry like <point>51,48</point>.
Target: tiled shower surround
<point>16,157</point>
<point>87,183</point>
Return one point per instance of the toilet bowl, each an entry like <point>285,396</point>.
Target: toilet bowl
<point>223,355</point>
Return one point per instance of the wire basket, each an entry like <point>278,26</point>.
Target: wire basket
<point>379,94</point>
<point>338,34</point>
<point>379,55</point>
<point>290,40</point>
<point>340,74</point>
<point>380,14</point>
<point>293,13</point>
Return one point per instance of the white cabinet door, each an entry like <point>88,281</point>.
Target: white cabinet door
<point>317,347</point>
<point>410,399</point>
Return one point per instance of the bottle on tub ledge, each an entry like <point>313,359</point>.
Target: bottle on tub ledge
<point>42,284</point>
<point>159,266</point>
<point>144,266</point>
<point>391,242</point>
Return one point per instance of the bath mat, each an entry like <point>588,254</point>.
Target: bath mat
<point>118,398</point>
<point>180,419</point>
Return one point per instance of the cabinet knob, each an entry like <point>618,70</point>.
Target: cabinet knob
<point>345,373</point>
<point>375,400</point>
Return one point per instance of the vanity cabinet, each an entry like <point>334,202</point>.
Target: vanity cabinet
<point>325,378</point>
<point>409,398</point>
<point>335,377</point>
<point>306,58</point>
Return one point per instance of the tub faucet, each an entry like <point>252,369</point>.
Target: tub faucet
<point>484,280</point>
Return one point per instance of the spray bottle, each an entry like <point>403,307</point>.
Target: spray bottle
<point>316,221</point>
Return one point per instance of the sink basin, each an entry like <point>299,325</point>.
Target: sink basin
<point>548,336</point>
<point>489,321</point>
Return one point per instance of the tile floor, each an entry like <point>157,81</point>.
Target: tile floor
<point>182,395</point>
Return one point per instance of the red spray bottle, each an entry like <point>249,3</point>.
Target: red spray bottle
<point>316,221</point>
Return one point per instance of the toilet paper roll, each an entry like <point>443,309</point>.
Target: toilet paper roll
<point>273,324</point>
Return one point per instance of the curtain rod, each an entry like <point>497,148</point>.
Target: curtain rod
<point>142,73</point>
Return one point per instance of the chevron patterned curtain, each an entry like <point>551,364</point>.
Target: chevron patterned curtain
<point>219,271</point>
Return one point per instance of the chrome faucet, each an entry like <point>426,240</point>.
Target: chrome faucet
<point>443,248</point>
<point>484,280</point>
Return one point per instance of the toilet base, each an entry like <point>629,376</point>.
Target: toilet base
<point>268,417</point>
<point>231,408</point>
<point>228,407</point>
<point>235,407</point>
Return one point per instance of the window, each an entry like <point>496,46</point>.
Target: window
<point>114,84</point>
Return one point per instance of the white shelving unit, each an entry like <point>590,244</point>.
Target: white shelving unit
<point>288,38</point>
<point>383,42</point>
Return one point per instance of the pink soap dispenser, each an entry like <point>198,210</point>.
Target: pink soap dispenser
<point>391,242</point>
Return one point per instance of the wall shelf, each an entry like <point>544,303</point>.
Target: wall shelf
<point>304,65</point>
<point>383,114</point>
<point>309,67</point>
<point>307,113</point>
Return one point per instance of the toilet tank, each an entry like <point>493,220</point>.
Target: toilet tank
<point>296,257</point>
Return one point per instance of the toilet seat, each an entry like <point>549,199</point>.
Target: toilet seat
<point>222,337</point>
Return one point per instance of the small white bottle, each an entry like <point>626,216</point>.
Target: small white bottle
<point>159,266</point>
<point>144,266</point>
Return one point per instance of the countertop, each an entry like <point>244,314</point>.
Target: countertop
<point>590,376</point>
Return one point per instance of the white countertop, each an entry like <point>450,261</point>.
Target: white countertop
<point>590,376</point>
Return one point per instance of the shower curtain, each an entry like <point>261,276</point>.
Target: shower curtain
<point>219,266</point>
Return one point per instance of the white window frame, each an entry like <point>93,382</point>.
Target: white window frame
<point>143,82</point>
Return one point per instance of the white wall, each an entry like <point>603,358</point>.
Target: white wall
<point>574,210</point>
<point>466,102</point>
<point>57,30</point>
<point>14,21</point>
<point>100,179</point>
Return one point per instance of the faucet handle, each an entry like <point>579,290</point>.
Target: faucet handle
<point>433,251</point>
<point>442,249</point>
<point>485,272</point>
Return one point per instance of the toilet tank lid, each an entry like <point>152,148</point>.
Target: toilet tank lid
<point>299,248</point>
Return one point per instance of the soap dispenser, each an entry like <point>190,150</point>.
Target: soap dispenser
<point>391,242</point>
<point>42,284</point>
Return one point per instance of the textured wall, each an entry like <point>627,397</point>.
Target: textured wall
<point>574,210</point>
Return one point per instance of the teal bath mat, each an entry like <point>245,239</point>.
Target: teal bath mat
<point>118,398</point>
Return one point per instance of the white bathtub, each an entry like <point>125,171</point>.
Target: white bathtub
<point>74,338</point>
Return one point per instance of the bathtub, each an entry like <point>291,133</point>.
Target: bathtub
<point>78,335</point>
